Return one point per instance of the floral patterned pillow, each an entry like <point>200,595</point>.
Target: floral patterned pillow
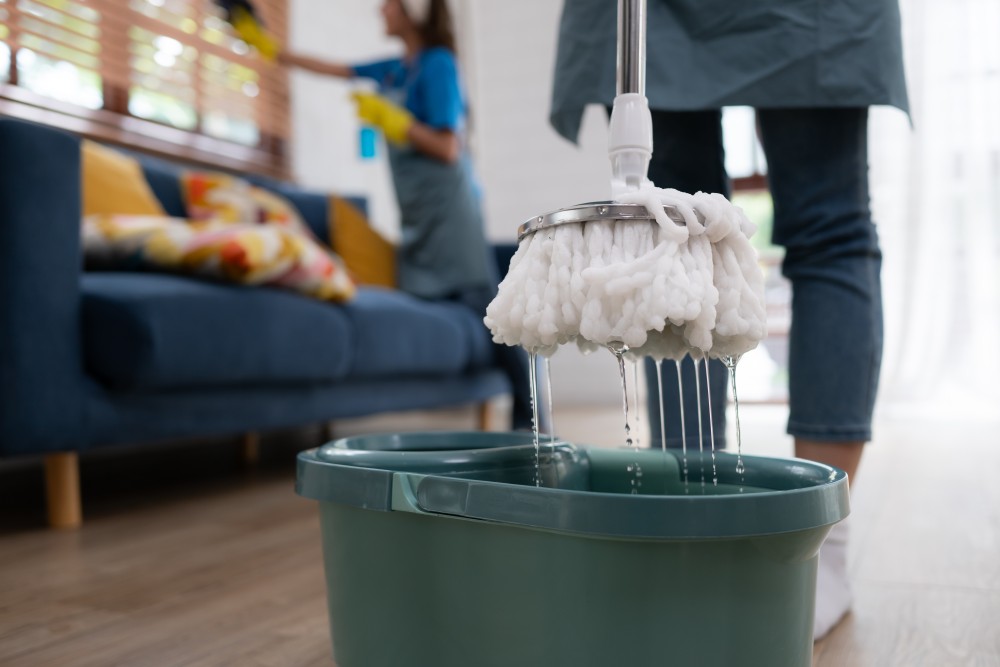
<point>225,198</point>
<point>248,254</point>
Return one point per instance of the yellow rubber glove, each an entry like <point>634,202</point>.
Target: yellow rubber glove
<point>393,120</point>
<point>251,32</point>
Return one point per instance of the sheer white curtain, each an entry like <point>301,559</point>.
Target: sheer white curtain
<point>936,199</point>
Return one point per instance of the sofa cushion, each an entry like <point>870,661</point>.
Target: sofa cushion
<point>249,254</point>
<point>369,257</point>
<point>398,334</point>
<point>481,347</point>
<point>164,178</point>
<point>113,182</point>
<point>148,331</point>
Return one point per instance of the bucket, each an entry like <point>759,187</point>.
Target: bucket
<point>440,551</point>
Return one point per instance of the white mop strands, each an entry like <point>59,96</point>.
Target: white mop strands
<point>664,290</point>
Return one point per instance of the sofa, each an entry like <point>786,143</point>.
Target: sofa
<point>94,359</point>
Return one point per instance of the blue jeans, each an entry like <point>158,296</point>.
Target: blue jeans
<point>818,176</point>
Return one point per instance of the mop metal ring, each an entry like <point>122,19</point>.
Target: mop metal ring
<point>597,211</point>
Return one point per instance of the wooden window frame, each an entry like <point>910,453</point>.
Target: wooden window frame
<point>114,124</point>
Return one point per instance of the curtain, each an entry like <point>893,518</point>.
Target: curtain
<point>936,200</point>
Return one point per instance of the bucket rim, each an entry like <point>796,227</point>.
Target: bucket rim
<point>430,482</point>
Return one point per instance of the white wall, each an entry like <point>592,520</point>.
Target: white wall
<point>507,49</point>
<point>527,168</point>
<point>324,146</point>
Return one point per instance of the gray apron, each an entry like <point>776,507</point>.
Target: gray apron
<point>706,54</point>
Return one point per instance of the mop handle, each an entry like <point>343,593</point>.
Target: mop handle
<point>630,128</point>
<point>632,46</point>
<point>630,136</point>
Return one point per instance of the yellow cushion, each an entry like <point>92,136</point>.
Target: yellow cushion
<point>114,183</point>
<point>248,254</point>
<point>370,259</point>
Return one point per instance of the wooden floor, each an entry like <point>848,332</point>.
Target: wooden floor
<point>188,558</point>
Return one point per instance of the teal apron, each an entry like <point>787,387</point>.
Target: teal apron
<point>443,251</point>
<point>707,54</point>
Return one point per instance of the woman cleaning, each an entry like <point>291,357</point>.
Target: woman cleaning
<point>420,108</point>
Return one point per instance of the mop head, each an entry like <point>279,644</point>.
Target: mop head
<point>662,289</point>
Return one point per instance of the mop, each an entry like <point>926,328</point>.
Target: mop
<point>663,273</point>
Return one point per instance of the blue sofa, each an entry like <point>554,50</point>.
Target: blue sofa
<point>92,359</point>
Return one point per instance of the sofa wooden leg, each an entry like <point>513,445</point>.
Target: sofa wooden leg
<point>484,416</point>
<point>251,448</point>
<point>62,490</point>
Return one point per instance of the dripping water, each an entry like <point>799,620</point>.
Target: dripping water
<point>730,363</point>
<point>532,374</point>
<point>549,408</point>
<point>663,422</point>
<point>619,349</point>
<point>635,394</point>
<point>701,436</point>
<point>684,434</point>
<point>711,423</point>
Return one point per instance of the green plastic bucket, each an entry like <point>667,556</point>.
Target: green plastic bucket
<point>440,551</point>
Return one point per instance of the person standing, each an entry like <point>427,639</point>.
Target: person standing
<point>420,108</point>
<point>811,70</point>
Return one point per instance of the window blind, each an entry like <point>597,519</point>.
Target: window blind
<point>168,71</point>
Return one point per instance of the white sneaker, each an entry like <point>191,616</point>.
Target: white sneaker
<point>833,590</point>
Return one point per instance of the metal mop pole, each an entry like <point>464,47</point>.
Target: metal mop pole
<point>630,131</point>
<point>631,46</point>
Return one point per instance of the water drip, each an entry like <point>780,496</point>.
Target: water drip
<point>730,363</point>
<point>548,388</point>
<point>532,374</point>
<point>684,435</point>
<point>701,425</point>
<point>619,349</point>
<point>711,422</point>
<point>662,393</point>
<point>635,392</point>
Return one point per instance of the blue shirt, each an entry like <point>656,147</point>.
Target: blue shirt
<point>443,252</point>
<point>428,87</point>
